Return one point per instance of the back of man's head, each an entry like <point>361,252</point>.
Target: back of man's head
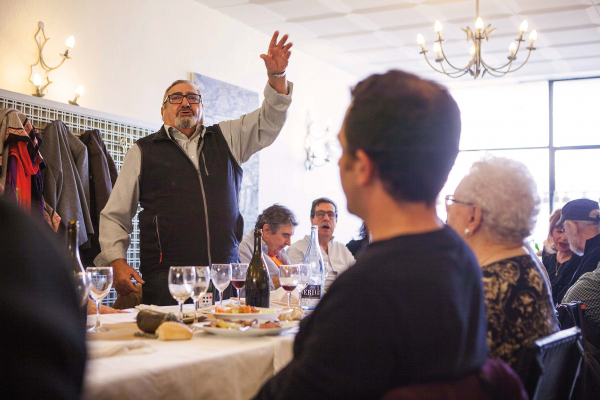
<point>410,129</point>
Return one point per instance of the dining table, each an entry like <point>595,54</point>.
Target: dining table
<point>123,366</point>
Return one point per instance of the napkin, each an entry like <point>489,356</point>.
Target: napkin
<point>188,309</point>
<point>109,348</point>
<point>280,296</point>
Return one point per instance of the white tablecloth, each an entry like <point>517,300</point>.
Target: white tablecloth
<point>206,367</point>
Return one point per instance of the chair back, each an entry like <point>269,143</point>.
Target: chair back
<point>549,366</point>
<point>495,381</point>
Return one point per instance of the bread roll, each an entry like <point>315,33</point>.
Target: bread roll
<point>174,331</point>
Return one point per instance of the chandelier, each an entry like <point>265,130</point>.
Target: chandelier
<point>477,66</point>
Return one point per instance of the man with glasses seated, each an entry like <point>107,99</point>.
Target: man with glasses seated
<point>187,179</point>
<point>323,213</point>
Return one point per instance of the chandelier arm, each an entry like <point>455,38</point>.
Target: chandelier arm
<point>497,70</point>
<point>454,73</point>
<point>508,63</point>
<point>435,69</point>
<point>446,58</point>
<point>524,62</point>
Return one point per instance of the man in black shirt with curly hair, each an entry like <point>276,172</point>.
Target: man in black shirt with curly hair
<point>411,310</point>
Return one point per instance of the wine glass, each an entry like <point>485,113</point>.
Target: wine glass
<point>238,277</point>
<point>221,276</point>
<point>201,282</point>
<point>181,285</point>
<point>100,282</point>
<point>289,277</point>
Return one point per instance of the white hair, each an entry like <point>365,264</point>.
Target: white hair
<point>507,195</point>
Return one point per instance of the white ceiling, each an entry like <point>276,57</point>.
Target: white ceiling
<point>369,36</point>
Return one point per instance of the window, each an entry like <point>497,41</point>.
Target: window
<point>559,142</point>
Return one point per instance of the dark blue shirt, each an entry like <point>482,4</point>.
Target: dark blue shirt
<point>411,310</point>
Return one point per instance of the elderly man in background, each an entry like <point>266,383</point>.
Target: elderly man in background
<point>277,224</point>
<point>187,179</point>
<point>494,210</point>
<point>581,221</point>
<point>418,285</point>
<point>323,213</point>
<point>587,291</point>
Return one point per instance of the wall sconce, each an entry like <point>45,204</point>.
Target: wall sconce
<point>41,40</point>
<point>313,159</point>
<point>78,94</point>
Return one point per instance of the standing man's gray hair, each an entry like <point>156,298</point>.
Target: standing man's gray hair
<point>177,82</point>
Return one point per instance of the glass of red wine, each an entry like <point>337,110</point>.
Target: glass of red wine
<point>289,276</point>
<point>238,277</point>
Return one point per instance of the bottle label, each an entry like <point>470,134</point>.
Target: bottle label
<point>312,292</point>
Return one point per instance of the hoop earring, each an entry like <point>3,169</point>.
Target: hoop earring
<point>467,231</point>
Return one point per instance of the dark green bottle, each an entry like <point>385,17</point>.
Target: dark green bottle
<point>257,279</point>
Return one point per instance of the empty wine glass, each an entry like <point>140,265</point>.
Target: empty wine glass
<point>221,276</point>
<point>289,277</point>
<point>100,281</point>
<point>201,283</point>
<point>238,277</point>
<point>181,285</point>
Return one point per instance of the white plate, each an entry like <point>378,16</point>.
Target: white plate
<point>286,326</point>
<point>271,315</point>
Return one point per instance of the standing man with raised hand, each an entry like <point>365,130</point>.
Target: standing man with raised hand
<point>187,179</point>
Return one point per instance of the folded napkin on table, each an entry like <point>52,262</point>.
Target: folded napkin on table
<point>108,348</point>
<point>112,318</point>
<point>279,297</point>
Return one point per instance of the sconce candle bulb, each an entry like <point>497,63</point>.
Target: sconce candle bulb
<point>78,93</point>
<point>523,27</point>
<point>70,42</point>
<point>533,36</point>
<point>438,27</point>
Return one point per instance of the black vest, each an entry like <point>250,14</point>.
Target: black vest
<point>189,217</point>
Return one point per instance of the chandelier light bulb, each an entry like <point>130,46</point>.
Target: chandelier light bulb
<point>70,42</point>
<point>37,81</point>
<point>533,36</point>
<point>512,48</point>
<point>523,27</point>
<point>472,51</point>
<point>420,39</point>
<point>479,23</point>
<point>437,48</point>
<point>79,90</point>
<point>438,27</point>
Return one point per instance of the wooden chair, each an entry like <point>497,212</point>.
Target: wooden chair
<point>550,366</point>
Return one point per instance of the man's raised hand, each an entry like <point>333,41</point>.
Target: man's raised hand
<point>278,55</point>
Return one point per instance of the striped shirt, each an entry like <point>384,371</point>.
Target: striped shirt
<point>587,291</point>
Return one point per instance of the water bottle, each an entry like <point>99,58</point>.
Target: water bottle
<point>313,292</point>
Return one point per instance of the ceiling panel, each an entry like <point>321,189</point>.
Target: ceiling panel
<point>366,36</point>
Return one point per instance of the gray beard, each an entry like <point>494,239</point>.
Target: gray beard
<point>185,122</point>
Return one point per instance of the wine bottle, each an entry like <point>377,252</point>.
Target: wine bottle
<point>78,270</point>
<point>257,278</point>
<point>313,292</point>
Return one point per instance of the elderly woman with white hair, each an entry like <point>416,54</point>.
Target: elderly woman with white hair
<point>494,210</point>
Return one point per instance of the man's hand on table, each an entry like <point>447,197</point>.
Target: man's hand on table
<point>103,309</point>
<point>276,61</point>
<point>122,274</point>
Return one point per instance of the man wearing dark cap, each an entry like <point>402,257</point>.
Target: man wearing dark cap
<point>581,220</point>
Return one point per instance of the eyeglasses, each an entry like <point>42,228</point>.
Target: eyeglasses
<point>321,214</point>
<point>451,200</point>
<point>178,98</point>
